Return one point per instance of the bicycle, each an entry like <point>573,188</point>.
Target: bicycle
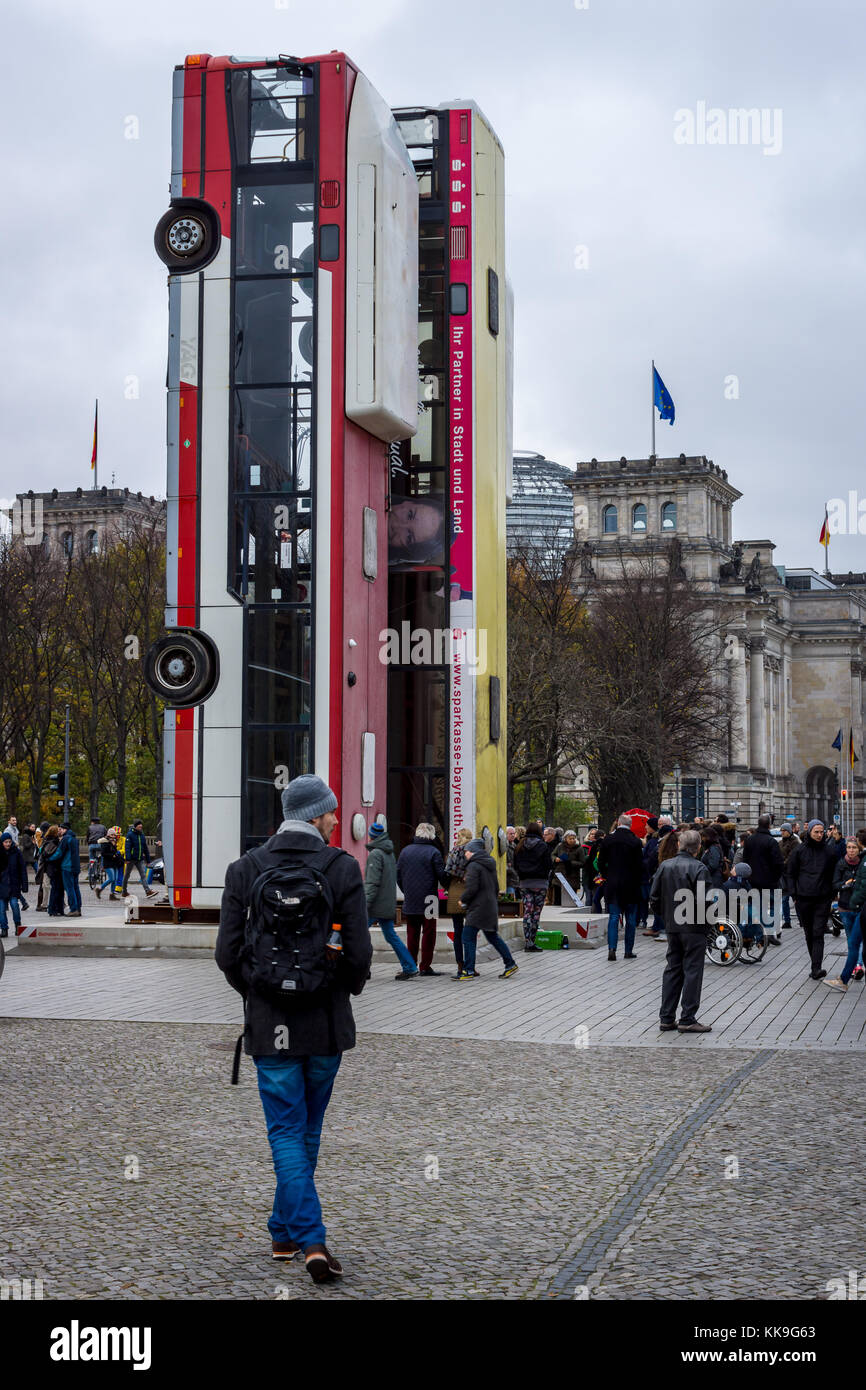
<point>95,867</point>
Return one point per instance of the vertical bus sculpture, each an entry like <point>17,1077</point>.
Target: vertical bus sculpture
<point>291,244</point>
<point>447,726</point>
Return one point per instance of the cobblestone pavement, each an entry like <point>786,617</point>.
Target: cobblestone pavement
<point>561,1171</point>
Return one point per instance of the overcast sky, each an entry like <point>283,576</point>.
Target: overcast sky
<point>718,261</point>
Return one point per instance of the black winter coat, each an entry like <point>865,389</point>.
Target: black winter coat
<point>322,1025</point>
<point>621,865</point>
<point>420,870</point>
<point>765,859</point>
<point>480,894</point>
<point>534,860</point>
<point>681,872</point>
<point>841,874</point>
<point>810,870</point>
<point>13,875</point>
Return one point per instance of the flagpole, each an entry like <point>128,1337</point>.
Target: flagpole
<point>96,447</point>
<point>653,406</point>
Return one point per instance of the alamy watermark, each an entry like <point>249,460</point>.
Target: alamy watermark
<point>21,518</point>
<point>847,517</point>
<point>732,125</point>
<point>703,906</point>
<point>439,646</point>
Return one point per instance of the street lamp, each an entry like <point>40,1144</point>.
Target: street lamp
<point>677,774</point>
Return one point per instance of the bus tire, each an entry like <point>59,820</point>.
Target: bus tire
<point>182,669</point>
<point>187,237</point>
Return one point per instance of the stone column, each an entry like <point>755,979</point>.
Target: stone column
<point>739,719</point>
<point>757,720</point>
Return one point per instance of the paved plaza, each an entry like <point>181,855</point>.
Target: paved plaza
<point>471,1150</point>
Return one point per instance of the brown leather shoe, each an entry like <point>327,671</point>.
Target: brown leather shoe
<point>284,1249</point>
<point>321,1264</point>
<point>694,1027</point>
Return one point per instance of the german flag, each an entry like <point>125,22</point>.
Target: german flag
<point>824,538</point>
<point>95,431</point>
<point>852,756</point>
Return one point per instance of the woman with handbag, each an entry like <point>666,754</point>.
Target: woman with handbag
<point>455,871</point>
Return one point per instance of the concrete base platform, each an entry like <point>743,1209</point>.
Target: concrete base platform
<point>112,933</point>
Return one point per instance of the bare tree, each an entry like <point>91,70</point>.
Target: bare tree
<point>653,643</point>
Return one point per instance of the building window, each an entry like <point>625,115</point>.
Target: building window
<point>608,520</point>
<point>92,543</point>
<point>669,516</point>
<point>638,517</point>
<point>67,543</point>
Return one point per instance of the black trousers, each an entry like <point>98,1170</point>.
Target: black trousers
<point>814,914</point>
<point>684,976</point>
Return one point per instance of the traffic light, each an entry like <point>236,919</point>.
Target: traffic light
<point>57,782</point>
<point>844,793</point>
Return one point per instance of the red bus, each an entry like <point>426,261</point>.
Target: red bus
<point>291,242</point>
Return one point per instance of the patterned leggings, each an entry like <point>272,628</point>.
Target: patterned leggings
<point>533,902</point>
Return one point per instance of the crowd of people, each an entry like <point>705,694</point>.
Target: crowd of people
<point>51,855</point>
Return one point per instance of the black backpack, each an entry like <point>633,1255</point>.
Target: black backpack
<point>288,924</point>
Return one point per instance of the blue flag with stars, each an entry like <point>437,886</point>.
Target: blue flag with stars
<point>662,398</point>
<point>837,742</point>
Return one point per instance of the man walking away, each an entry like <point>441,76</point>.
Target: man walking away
<point>620,863</point>
<point>687,940</point>
<point>13,882</point>
<point>420,870</point>
<point>764,857</point>
<point>136,856</point>
<point>480,901</point>
<point>380,891</point>
<point>294,942</point>
<point>810,873</point>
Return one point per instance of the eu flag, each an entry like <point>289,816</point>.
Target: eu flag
<point>662,398</point>
<point>837,742</point>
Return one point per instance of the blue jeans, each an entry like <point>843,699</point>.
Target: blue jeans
<point>630,915</point>
<point>470,941</point>
<point>786,910</point>
<point>112,880</point>
<point>71,889</point>
<point>295,1092</point>
<point>389,931</point>
<point>853,930</point>
<point>16,913</point>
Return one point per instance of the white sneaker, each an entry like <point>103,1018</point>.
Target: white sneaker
<point>660,937</point>
<point>837,984</point>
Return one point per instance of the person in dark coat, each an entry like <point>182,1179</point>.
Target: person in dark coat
<point>380,891</point>
<point>13,882</point>
<point>687,940</point>
<point>836,841</point>
<point>50,854</point>
<point>620,863</point>
<point>569,858</point>
<point>533,862</point>
<point>297,1048</point>
<point>844,879</point>
<point>714,856</point>
<point>788,842</point>
<point>136,855</point>
<point>810,874</point>
<point>480,903</point>
<point>420,870</point>
<point>764,857</point>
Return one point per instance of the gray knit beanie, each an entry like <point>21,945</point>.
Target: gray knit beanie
<point>307,797</point>
<point>476,846</point>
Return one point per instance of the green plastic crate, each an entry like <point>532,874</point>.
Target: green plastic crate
<point>550,940</point>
